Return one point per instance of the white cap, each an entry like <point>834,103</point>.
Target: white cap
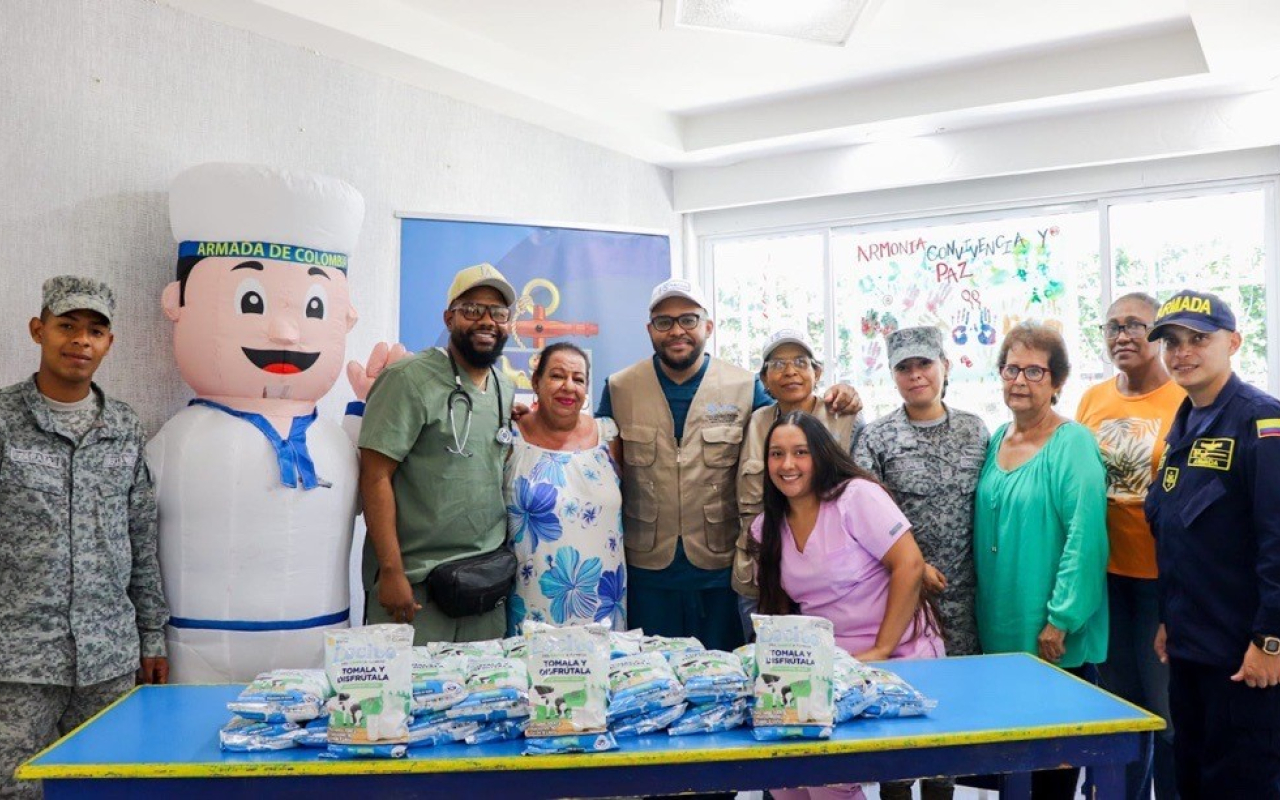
<point>253,203</point>
<point>786,336</point>
<point>677,287</point>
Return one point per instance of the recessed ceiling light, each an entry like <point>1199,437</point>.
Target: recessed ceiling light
<point>823,21</point>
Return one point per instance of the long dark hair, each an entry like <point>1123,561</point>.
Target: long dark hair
<point>833,468</point>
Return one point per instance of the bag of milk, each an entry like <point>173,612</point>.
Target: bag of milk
<point>891,696</point>
<point>569,689</point>
<point>582,743</point>
<point>242,735</point>
<point>315,734</point>
<point>647,722</point>
<point>436,729</point>
<point>852,687</point>
<point>625,643</point>
<point>642,683</point>
<point>501,731</point>
<point>670,646</point>
<point>747,655</point>
<point>497,689</point>
<point>711,718</point>
<point>487,648</point>
<point>710,676</point>
<point>283,695</point>
<point>569,677</point>
<point>439,682</point>
<point>793,686</point>
<point>371,669</point>
<point>515,647</point>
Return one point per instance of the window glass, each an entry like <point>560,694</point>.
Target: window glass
<point>973,280</point>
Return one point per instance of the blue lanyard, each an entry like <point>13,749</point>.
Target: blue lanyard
<point>296,466</point>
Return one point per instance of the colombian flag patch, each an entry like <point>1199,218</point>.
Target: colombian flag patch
<point>1268,427</point>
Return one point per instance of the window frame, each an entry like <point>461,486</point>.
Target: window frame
<point>986,212</point>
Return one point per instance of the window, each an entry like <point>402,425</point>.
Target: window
<point>974,276</point>
<point>763,284</point>
<point>974,280</point>
<point>1214,243</point>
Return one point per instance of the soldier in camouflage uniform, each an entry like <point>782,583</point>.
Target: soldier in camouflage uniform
<point>929,456</point>
<point>82,613</point>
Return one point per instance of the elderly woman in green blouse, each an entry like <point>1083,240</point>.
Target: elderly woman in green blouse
<point>1040,528</point>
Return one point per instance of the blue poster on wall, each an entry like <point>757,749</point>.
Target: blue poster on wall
<point>588,287</point>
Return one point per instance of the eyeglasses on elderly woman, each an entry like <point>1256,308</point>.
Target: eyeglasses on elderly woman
<point>1033,373</point>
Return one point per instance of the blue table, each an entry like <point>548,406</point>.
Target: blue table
<point>996,714</point>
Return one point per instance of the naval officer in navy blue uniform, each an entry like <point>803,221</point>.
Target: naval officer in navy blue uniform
<point>1214,509</point>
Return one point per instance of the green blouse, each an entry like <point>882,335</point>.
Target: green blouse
<point>1040,547</point>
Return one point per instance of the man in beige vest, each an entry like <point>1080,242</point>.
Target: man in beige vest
<point>682,415</point>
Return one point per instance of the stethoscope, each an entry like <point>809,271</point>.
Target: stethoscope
<point>503,436</point>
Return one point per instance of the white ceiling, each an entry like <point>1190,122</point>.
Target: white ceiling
<point>605,71</point>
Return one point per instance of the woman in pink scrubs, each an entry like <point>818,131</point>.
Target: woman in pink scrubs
<point>832,541</point>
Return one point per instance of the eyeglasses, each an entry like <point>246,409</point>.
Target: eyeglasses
<point>781,364</point>
<point>1134,329</point>
<point>664,323</point>
<point>1033,373</point>
<point>476,311</point>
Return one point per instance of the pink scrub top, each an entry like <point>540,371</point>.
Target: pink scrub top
<point>840,577</point>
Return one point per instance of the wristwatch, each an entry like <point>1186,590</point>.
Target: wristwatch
<point>1268,644</point>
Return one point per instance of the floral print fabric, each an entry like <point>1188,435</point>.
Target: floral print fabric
<point>564,524</point>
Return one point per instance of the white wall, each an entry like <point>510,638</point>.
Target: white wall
<point>102,103</point>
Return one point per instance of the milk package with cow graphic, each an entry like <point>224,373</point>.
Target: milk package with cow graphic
<point>371,669</point>
<point>569,687</point>
<point>794,681</point>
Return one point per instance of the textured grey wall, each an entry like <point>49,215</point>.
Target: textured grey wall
<point>102,103</point>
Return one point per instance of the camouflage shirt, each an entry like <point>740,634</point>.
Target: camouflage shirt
<point>80,596</point>
<point>932,473</point>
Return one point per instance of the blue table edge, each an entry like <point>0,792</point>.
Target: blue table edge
<point>1145,721</point>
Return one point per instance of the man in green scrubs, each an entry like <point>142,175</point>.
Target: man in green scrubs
<point>435,436</point>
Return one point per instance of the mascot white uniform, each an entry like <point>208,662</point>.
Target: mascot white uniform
<point>257,494</point>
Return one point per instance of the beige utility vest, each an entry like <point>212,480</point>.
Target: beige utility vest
<point>685,489</point>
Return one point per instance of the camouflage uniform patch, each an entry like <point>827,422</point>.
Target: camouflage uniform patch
<point>932,473</point>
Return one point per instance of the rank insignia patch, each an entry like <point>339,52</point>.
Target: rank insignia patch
<point>1211,453</point>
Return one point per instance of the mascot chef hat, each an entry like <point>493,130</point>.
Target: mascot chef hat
<point>252,211</point>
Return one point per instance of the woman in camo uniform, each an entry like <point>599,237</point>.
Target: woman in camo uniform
<point>929,456</point>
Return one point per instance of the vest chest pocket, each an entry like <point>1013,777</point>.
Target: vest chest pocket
<point>720,446</point>
<point>639,445</point>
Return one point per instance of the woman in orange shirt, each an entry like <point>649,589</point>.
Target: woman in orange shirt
<point>1130,415</point>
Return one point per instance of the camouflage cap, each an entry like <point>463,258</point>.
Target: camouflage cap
<point>922,342</point>
<point>73,292</point>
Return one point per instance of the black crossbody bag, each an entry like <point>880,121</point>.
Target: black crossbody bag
<point>475,585</point>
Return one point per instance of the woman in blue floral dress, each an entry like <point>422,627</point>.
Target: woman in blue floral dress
<point>564,504</point>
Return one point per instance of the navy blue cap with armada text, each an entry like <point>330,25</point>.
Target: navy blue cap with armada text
<point>1199,311</point>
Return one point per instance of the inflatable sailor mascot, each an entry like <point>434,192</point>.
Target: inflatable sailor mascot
<point>257,493</point>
